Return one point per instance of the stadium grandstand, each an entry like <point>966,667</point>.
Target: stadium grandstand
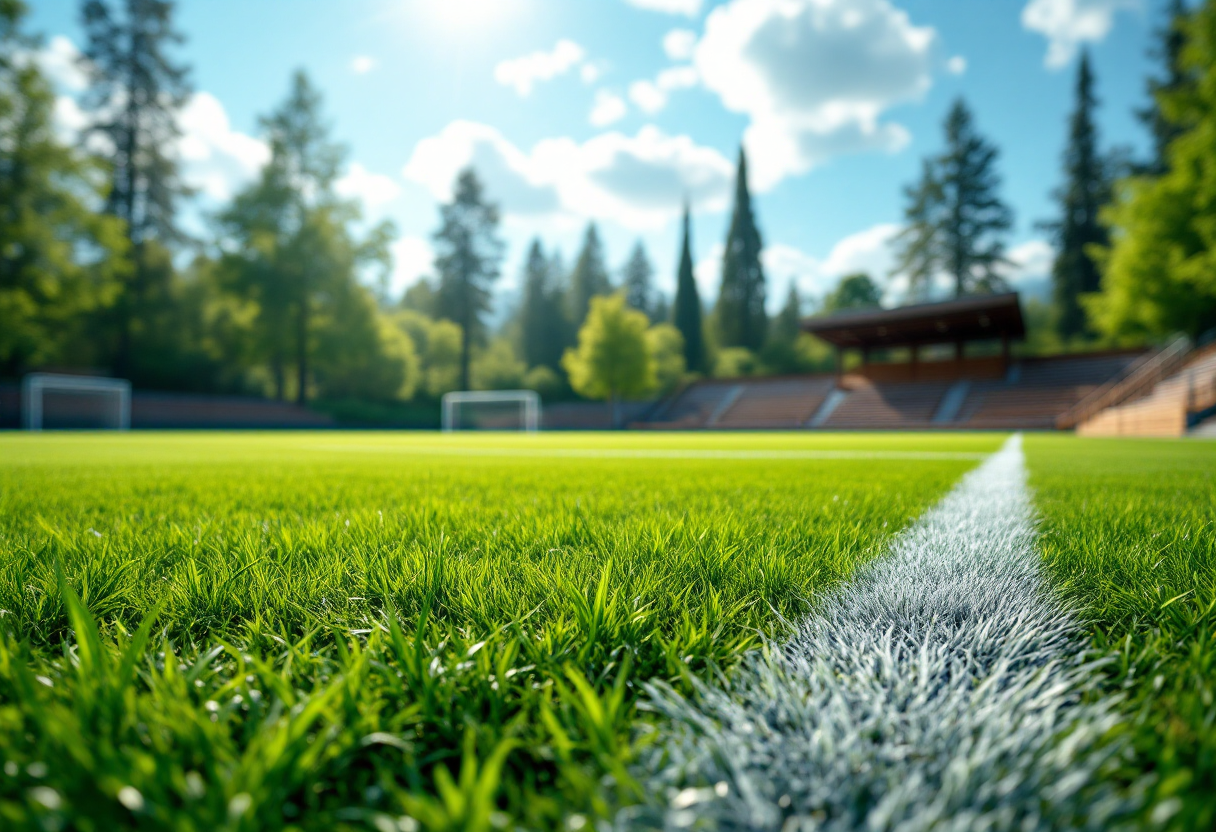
<point>951,365</point>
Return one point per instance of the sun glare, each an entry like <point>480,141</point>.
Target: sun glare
<point>470,15</point>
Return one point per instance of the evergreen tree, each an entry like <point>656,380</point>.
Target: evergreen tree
<point>954,217</point>
<point>741,318</point>
<point>638,275</point>
<point>293,253</point>
<point>1171,39</point>
<point>1085,191</point>
<point>589,278</point>
<point>686,310</point>
<point>136,92</point>
<point>45,188</point>
<point>468,257</point>
<point>787,325</point>
<point>541,323</point>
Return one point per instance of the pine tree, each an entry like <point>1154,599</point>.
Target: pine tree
<point>638,275</point>
<point>954,217</point>
<point>741,317</point>
<point>541,323</point>
<point>136,92</point>
<point>1085,191</point>
<point>1171,39</point>
<point>468,257</point>
<point>589,278</point>
<point>787,325</point>
<point>686,310</point>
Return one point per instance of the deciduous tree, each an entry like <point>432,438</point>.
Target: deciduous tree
<point>612,359</point>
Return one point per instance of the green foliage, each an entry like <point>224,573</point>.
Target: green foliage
<point>321,631</point>
<point>496,367</point>
<point>1159,273</point>
<point>854,291</point>
<point>468,256</point>
<point>1129,537</point>
<point>736,362</point>
<point>46,215</point>
<point>612,360</point>
<point>686,309</point>
<point>1086,189</point>
<point>666,346</point>
<point>740,315</point>
<point>954,217</point>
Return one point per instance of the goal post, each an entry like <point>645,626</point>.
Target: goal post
<point>75,393</point>
<point>503,405</point>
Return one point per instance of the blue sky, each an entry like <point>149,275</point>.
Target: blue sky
<point>613,110</point>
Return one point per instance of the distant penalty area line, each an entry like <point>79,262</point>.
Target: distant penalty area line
<point>658,453</point>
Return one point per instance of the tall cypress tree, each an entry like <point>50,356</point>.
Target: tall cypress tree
<point>955,219</point>
<point>136,91</point>
<point>686,311</point>
<point>741,318</point>
<point>589,278</point>
<point>1170,41</point>
<point>637,276</point>
<point>1086,189</point>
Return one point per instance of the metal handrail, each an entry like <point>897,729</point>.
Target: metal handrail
<point>1140,380</point>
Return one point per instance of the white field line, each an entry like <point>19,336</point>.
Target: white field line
<point>941,688</point>
<point>652,453</point>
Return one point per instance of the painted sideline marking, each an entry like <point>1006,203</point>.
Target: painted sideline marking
<point>655,453</point>
<point>940,688</point>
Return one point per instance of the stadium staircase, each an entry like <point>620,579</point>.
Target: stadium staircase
<point>1171,394</point>
<point>1033,395</point>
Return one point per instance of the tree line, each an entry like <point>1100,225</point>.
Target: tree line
<point>284,294</point>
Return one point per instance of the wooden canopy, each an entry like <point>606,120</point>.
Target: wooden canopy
<point>975,318</point>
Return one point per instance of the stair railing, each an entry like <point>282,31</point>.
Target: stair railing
<point>1140,381</point>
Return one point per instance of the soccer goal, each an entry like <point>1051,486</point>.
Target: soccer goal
<point>491,410</point>
<point>51,400</point>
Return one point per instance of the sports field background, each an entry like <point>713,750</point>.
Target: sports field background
<point>335,630</point>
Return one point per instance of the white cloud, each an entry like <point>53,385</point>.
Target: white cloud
<point>679,44</point>
<point>372,189</point>
<point>708,273</point>
<point>1068,23</point>
<point>1030,272</point>
<point>814,76</point>
<point>59,60</point>
<point>956,65</point>
<point>690,8</point>
<point>215,158</point>
<point>413,258</point>
<point>651,96</point>
<point>647,96</point>
<point>524,72</point>
<point>607,108</point>
<point>590,73</point>
<point>362,64</point>
<point>637,181</point>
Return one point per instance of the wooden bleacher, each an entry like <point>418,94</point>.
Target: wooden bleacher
<point>874,405</point>
<point>1170,407</point>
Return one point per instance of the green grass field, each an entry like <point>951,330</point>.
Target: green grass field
<point>386,631</point>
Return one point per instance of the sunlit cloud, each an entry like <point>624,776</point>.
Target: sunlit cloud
<point>523,73</point>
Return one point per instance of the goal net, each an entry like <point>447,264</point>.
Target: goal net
<point>54,401</point>
<point>492,410</point>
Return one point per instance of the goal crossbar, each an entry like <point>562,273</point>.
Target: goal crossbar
<point>35,385</point>
<point>528,400</point>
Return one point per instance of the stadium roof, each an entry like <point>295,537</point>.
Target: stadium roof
<point>974,318</point>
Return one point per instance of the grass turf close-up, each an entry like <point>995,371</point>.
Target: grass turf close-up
<point>1129,536</point>
<point>326,631</point>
